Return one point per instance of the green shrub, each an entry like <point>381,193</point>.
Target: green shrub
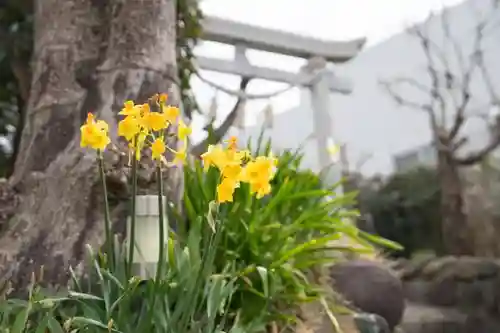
<point>278,241</point>
<point>406,209</point>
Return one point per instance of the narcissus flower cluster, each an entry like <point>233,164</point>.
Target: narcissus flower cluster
<point>141,126</point>
<point>237,167</point>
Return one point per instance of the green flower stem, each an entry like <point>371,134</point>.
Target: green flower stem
<point>162,243</point>
<point>132,217</point>
<point>107,219</point>
<point>161,256</point>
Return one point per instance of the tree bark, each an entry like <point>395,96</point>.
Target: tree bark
<point>479,207</point>
<point>455,231</point>
<point>89,56</point>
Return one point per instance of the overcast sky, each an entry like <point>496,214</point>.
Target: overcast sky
<point>326,19</point>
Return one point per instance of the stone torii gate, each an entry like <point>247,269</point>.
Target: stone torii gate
<point>315,75</point>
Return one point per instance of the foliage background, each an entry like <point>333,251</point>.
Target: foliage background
<point>404,208</point>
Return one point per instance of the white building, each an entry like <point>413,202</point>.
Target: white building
<point>371,125</point>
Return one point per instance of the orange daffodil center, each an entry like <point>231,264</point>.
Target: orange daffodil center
<point>237,167</point>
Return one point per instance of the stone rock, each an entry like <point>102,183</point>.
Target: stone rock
<point>444,292</point>
<point>370,287</point>
<point>417,291</point>
<point>413,268</point>
<point>469,285</point>
<point>434,267</point>
<point>427,319</point>
<point>461,282</point>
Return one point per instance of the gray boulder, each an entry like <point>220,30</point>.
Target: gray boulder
<point>370,287</point>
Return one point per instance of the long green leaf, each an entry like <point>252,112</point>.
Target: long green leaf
<point>84,296</point>
<point>265,279</point>
<point>84,322</point>
<point>303,247</point>
<point>54,326</point>
<point>21,320</point>
<point>41,326</point>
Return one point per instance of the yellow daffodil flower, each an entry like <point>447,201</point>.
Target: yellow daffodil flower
<point>156,121</point>
<point>130,109</point>
<point>129,127</point>
<point>225,190</point>
<point>232,170</point>
<point>171,113</point>
<point>261,189</point>
<point>143,117</point>
<point>183,131</point>
<point>94,133</point>
<point>259,171</point>
<point>141,124</point>
<point>158,148</point>
<point>215,156</point>
<point>238,166</point>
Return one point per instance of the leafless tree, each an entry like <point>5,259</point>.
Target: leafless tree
<point>448,103</point>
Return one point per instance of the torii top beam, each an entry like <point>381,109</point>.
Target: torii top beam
<point>229,32</point>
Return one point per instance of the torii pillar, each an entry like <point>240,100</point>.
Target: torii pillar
<point>320,104</point>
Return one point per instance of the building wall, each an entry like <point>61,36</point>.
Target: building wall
<point>368,121</point>
<point>292,129</point>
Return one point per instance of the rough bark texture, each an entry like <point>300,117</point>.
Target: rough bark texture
<point>480,202</point>
<point>88,56</point>
<point>455,231</point>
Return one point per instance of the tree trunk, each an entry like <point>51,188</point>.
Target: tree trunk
<point>89,56</point>
<point>479,204</point>
<point>455,231</point>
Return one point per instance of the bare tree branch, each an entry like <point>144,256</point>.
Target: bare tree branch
<point>447,82</point>
<point>479,155</point>
<point>431,50</point>
<point>220,131</point>
<point>399,99</point>
<point>412,82</point>
<point>486,77</point>
<point>389,87</point>
<point>475,59</point>
<point>457,50</point>
<point>459,144</point>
